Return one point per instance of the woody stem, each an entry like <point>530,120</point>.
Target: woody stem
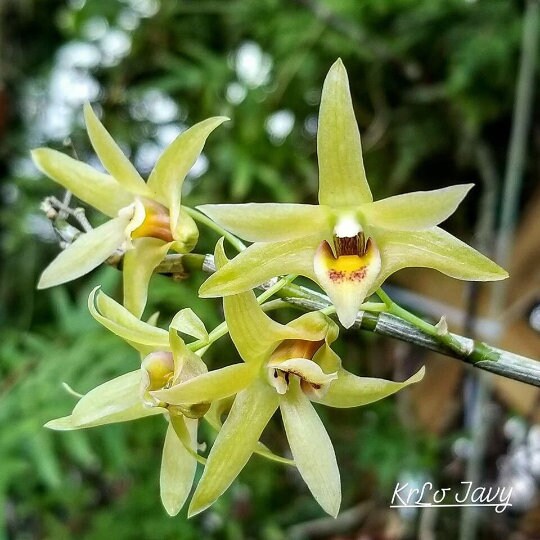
<point>395,322</point>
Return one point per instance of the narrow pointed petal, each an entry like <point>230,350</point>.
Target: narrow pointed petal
<point>236,442</point>
<point>315,326</point>
<point>415,211</point>
<point>177,469</point>
<point>349,390</point>
<point>342,179</point>
<point>116,400</point>
<point>312,449</point>
<point>138,267</point>
<point>112,157</point>
<point>211,386</point>
<point>213,417</point>
<point>171,169</point>
<point>347,279</point>
<point>124,324</point>
<point>253,332</point>
<point>187,322</point>
<point>269,222</point>
<point>87,252</point>
<point>93,187</point>
<point>436,249</point>
<point>260,262</point>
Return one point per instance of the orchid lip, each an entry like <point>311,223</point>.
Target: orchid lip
<point>309,373</point>
<point>348,275</point>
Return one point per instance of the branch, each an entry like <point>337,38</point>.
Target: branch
<point>473,352</point>
<point>436,338</point>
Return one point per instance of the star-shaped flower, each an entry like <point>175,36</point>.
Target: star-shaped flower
<point>147,218</point>
<point>348,244</point>
<point>285,366</point>
<point>166,362</point>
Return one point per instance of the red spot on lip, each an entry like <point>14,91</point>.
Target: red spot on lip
<point>339,276</point>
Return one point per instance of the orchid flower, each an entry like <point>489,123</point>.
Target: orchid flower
<point>348,244</point>
<point>286,367</point>
<point>147,218</point>
<point>167,362</point>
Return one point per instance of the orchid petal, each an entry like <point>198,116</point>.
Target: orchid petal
<point>138,267</point>
<point>211,386</point>
<point>116,400</point>
<point>235,443</point>
<point>112,157</point>
<point>349,390</point>
<point>315,326</point>
<point>87,252</point>
<point>213,417</point>
<point>120,321</point>
<point>93,187</point>
<point>177,469</point>
<point>347,279</point>
<point>185,233</point>
<point>269,222</point>
<point>311,448</point>
<point>187,365</point>
<point>415,211</point>
<point>187,322</point>
<point>342,179</point>
<point>253,332</point>
<point>260,262</point>
<point>433,248</point>
<point>168,175</point>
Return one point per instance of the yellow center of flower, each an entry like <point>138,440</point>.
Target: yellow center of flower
<point>157,371</point>
<point>156,224</point>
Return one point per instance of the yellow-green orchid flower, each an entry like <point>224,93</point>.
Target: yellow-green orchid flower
<point>167,362</point>
<point>147,218</point>
<point>348,244</point>
<point>285,366</point>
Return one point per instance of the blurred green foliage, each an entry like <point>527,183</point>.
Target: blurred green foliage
<point>431,81</point>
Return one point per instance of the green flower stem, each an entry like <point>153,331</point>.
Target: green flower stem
<point>222,329</point>
<point>275,288</point>
<point>201,218</point>
<point>436,332</point>
<point>391,320</point>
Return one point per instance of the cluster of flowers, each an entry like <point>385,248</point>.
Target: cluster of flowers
<point>347,244</point>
